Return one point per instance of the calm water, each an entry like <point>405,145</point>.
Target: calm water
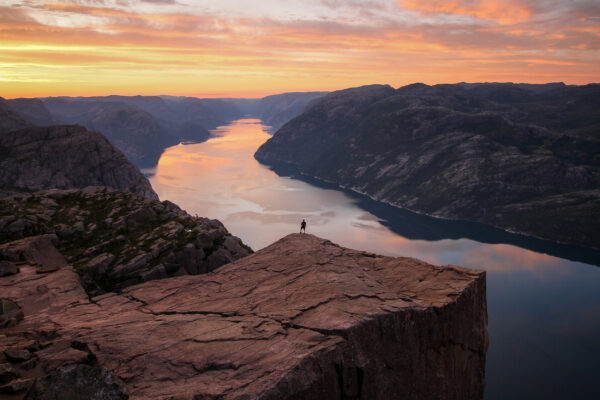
<point>544,310</point>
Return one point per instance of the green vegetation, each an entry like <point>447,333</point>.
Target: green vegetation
<point>103,222</point>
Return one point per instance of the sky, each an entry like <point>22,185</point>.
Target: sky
<point>229,48</point>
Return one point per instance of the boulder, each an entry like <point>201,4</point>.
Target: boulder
<point>17,355</point>
<point>100,264</point>
<point>38,249</point>
<point>10,313</point>
<point>7,268</point>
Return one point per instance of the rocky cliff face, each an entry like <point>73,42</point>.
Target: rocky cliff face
<point>300,319</point>
<point>522,158</point>
<point>116,239</point>
<point>65,157</point>
<point>133,131</point>
<point>143,126</point>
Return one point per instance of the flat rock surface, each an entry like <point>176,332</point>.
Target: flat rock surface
<point>300,319</point>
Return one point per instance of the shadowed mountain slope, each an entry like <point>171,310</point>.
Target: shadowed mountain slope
<point>520,159</point>
<point>65,157</point>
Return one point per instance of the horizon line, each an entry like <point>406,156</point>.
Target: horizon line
<point>263,95</point>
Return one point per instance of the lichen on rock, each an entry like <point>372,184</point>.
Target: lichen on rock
<point>114,239</point>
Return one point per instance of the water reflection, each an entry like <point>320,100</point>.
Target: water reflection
<point>543,308</point>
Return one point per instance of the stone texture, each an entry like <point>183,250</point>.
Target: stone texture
<point>76,382</point>
<point>35,249</point>
<point>17,355</point>
<point>10,313</point>
<point>300,319</point>
<point>114,239</point>
<point>7,373</point>
<point>7,268</point>
<point>52,359</point>
<point>65,157</point>
<point>15,386</point>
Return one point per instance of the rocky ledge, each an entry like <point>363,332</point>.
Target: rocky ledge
<point>301,319</point>
<point>113,239</point>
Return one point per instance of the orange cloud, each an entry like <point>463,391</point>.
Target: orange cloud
<point>73,49</point>
<point>501,11</point>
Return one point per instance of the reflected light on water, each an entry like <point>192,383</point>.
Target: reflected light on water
<point>221,179</point>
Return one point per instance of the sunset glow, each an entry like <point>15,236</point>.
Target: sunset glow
<point>251,49</point>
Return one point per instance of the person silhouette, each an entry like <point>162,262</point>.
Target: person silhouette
<point>303,226</point>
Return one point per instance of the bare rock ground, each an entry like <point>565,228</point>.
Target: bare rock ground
<point>301,319</point>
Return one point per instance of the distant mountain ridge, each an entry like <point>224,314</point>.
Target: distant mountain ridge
<point>143,126</point>
<point>10,120</point>
<point>278,109</point>
<point>524,158</point>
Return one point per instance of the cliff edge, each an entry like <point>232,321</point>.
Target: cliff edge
<point>301,319</point>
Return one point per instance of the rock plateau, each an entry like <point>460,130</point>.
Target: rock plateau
<point>300,319</point>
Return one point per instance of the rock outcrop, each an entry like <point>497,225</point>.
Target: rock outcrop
<point>300,319</point>
<point>113,239</point>
<point>522,158</point>
<point>65,157</point>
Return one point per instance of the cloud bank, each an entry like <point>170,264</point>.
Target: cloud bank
<point>247,48</point>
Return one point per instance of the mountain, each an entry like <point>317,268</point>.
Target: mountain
<point>172,112</point>
<point>135,132</point>
<point>143,126</point>
<point>65,157</point>
<point>275,110</point>
<point>522,159</point>
<point>278,109</point>
<point>9,120</point>
<point>33,111</point>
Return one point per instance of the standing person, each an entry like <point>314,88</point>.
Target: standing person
<point>303,226</point>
